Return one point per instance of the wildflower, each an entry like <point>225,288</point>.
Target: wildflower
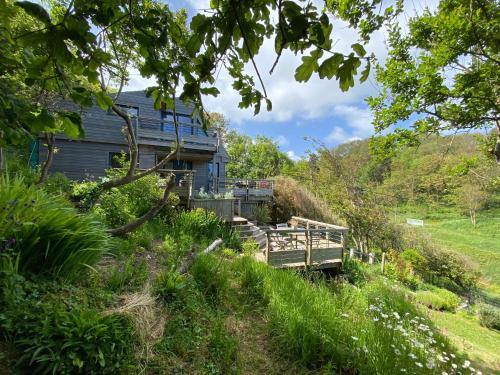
<point>345,315</point>
<point>444,373</point>
<point>397,351</point>
<point>441,358</point>
<point>430,363</point>
<point>412,356</point>
<point>389,326</point>
<point>479,372</point>
<point>354,338</point>
<point>403,370</point>
<point>375,319</point>
<point>472,369</point>
<point>452,355</point>
<point>454,365</point>
<point>365,349</point>
<point>385,316</point>
<point>466,364</point>
<point>419,364</point>
<point>396,315</point>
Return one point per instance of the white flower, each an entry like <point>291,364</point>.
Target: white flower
<point>375,319</point>
<point>403,370</point>
<point>396,315</point>
<point>345,315</point>
<point>466,364</point>
<point>441,358</point>
<point>354,338</point>
<point>397,351</point>
<point>472,369</point>
<point>419,364</point>
<point>454,365</point>
<point>412,356</point>
<point>452,355</point>
<point>365,349</point>
<point>430,363</point>
<point>444,373</point>
<point>479,372</point>
<point>385,316</point>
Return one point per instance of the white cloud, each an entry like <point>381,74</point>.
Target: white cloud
<point>356,124</point>
<point>293,156</point>
<point>282,140</point>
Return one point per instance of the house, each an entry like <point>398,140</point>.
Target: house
<point>202,158</point>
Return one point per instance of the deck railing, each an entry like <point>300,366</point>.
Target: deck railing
<point>305,246</point>
<point>183,181</point>
<point>154,130</point>
<point>245,188</point>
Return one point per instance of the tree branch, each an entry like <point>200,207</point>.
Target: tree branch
<point>120,231</point>
<point>51,141</point>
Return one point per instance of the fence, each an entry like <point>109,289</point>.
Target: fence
<point>224,208</point>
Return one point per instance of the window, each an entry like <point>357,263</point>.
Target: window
<point>115,159</point>
<point>179,165</point>
<point>210,168</point>
<point>131,110</point>
<point>217,169</point>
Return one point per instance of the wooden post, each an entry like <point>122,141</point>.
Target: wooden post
<point>382,265</point>
<point>268,246</point>
<point>351,253</point>
<point>371,258</point>
<point>239,207</point>
<point>308,248</point>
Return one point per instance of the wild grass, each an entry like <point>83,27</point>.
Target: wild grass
<point>373,330</point>
<point>292,199</point>
<point>44,234</point>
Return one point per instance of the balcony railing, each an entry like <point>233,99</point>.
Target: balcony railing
<point>245,188</point>
<point>157,131</point>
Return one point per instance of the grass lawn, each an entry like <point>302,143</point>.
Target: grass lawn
<point>465,332</point>
<point>455,232</point>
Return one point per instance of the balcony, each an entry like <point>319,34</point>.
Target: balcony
<point>158,132</point>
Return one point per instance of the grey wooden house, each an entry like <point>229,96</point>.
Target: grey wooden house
<point>202,158</point>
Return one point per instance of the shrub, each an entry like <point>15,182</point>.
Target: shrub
<point>45,233</point>
<point>437,299</point>
<point>401,270</point>
<point>250,247</point>
<point>354,271</point>
<point>56,333</point>
<point>262,214</point>
<point>58,183</point>
<point>292,199</point>
<point>489,317</point>
<point>167,285</point>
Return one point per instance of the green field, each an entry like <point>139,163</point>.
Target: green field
<point>464,331</point>
<point>481,243</point>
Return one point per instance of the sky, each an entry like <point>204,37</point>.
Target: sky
<point>303,113</point>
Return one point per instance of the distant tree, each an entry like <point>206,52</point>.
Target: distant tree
<point>254,158</point>
<point>443,75</point>
<point>471,198</point>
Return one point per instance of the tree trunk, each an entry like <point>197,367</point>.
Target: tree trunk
<point>51,143</point>
<point>496,151</point>
<point>120,231</point>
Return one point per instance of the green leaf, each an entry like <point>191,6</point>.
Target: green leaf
<point>43,121</point>
<point>346,72</point>
<point>269,105</point>
<point>309,65</point>
<point>103,100</point>
<point>35,10</point>
<point>359,49</point>
<point>72,127</point>
<point>365,73</point>
<point>210,91</point>
<point>330,66</point>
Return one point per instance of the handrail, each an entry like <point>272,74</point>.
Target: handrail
<point>318,223</point>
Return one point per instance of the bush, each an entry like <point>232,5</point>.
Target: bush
<point>250,247</point>
<point>398,268</point>
<point>262,214</point>
<point>354,271</point>
<point>292,199</point>
<point>58,183</point>
<point>56,333</point>
<point>167,285</point>
<point>45,234</point>
<point>489,317</point>
<point>437,299</point>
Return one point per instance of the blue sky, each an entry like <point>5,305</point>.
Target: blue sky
<point>316,109</point>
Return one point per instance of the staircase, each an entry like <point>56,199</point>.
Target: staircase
<point>250,230</point>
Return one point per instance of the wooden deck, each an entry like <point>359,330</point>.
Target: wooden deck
<point>301,246</point>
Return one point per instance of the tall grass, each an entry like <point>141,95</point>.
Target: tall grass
<point>372,330</point>
<point>44,234</point>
